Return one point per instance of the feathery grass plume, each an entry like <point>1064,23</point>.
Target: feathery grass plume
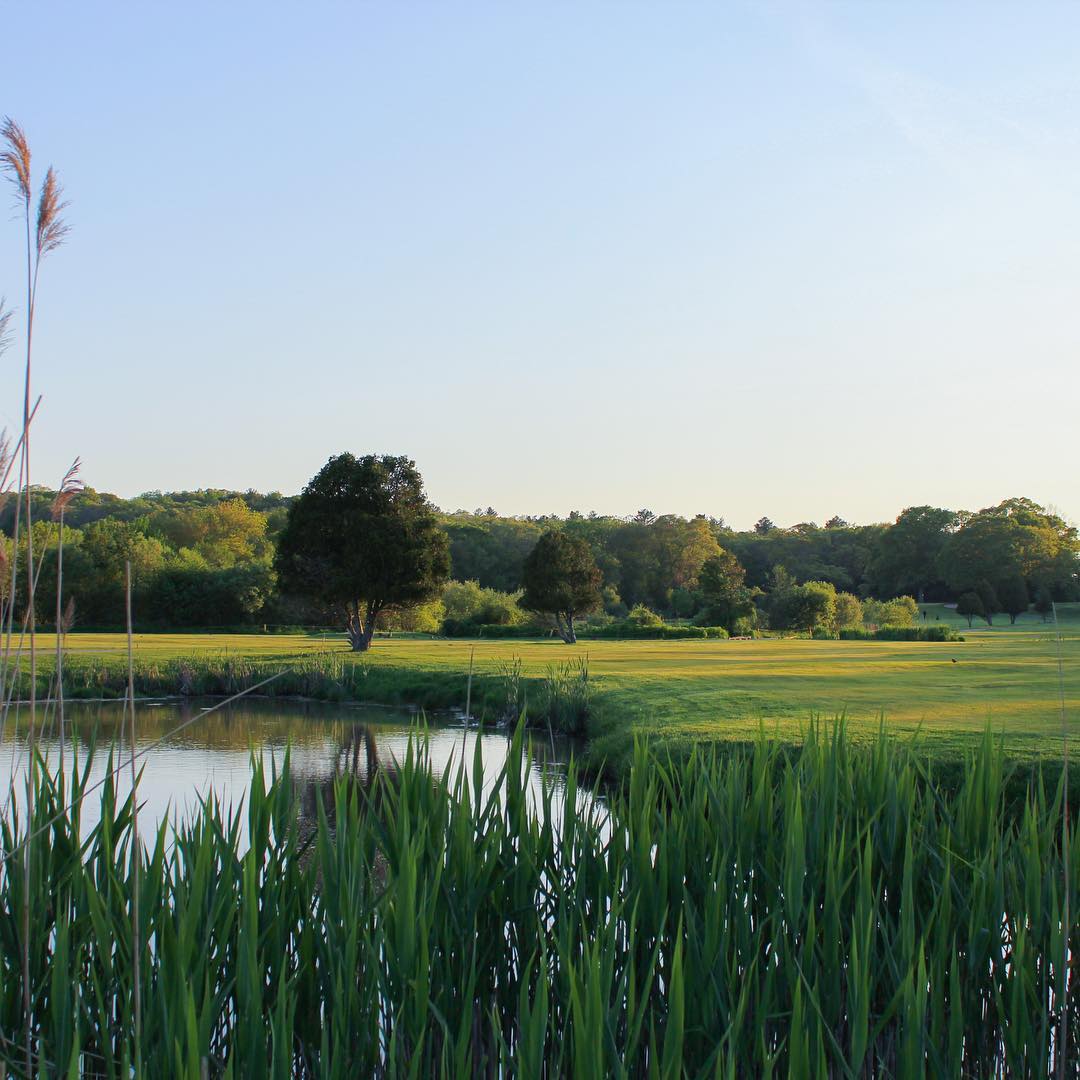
<point>15,158</point>
<point>67,620</point>
<point>51,227</point>
<point>70,486</point>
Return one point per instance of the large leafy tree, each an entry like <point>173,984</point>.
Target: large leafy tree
<point>1015,538</point>
<point>361,538</point>
<point>905,555</point>
<point>810,606</point>
<point>561,578</point>
<point>722,582</point>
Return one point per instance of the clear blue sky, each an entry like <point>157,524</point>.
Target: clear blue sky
<point>721,258</point>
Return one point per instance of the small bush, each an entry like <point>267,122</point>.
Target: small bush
<point>642,616</point>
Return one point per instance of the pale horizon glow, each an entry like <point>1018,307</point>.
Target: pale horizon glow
<point>738,260</point>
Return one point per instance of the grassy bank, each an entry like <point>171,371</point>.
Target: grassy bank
<point>680,692</point>
<point>823,914</point>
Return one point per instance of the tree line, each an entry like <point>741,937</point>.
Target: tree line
<point>223,558</point>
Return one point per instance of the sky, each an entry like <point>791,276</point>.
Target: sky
<point>733,259</point>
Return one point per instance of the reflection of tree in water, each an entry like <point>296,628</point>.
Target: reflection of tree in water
<point>348,751</point>
<point>356,760</point>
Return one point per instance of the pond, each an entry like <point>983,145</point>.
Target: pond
<point>212,753</point>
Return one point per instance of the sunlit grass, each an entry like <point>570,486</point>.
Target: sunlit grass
<point>1004,677</point>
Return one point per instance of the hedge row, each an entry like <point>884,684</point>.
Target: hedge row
<point>902,633</point>
<point>653,633</point>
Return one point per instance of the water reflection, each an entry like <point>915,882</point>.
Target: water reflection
<point>212,752</point>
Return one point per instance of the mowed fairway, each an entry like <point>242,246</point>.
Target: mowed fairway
<point>1005,677</point>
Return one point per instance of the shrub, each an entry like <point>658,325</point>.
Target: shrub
<point>900,611</point>
<point>642,616</point>
<point>849,610</point>
<point>468,601</point>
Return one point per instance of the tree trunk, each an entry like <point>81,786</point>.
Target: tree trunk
<point>565,629</point>
<point>358,636</point>
<point>360,629</point>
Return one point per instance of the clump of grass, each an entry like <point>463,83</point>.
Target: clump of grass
<point>827,912</point>
<point>565,697</point>
<point>514,692</point>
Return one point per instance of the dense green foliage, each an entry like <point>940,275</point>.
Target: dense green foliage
<point>362,538</point>
<point>561,579</point>
<point>828,912</point>
<point>726,601</point>
<point>205,559</point>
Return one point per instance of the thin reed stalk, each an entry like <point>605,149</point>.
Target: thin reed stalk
<point>48,234</point>
<point>70,486</point>
<point>1066,965</point>
<point>136,846</point>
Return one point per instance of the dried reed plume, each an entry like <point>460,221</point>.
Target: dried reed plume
<point>51,227</point>
<point>5,325</point>
<point>15,159</point>
<point>67,619</point>
<point>70,487</point>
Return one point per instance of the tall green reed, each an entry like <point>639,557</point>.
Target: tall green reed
<point>830,912</point>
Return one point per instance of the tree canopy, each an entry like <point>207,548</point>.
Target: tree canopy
<point>361,538</point>
<point>561,579</point>
<point>206,558</point>
<point>723,587</point>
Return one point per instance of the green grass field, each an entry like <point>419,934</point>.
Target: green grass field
<point>1005,677</point>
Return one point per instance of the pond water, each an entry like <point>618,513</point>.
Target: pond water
<point>212,752</point>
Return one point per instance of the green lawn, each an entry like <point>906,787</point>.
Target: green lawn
<point>1005,676</point>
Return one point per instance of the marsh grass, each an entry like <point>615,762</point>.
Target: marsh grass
<point>825,913</point>
<point>565,697</point>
